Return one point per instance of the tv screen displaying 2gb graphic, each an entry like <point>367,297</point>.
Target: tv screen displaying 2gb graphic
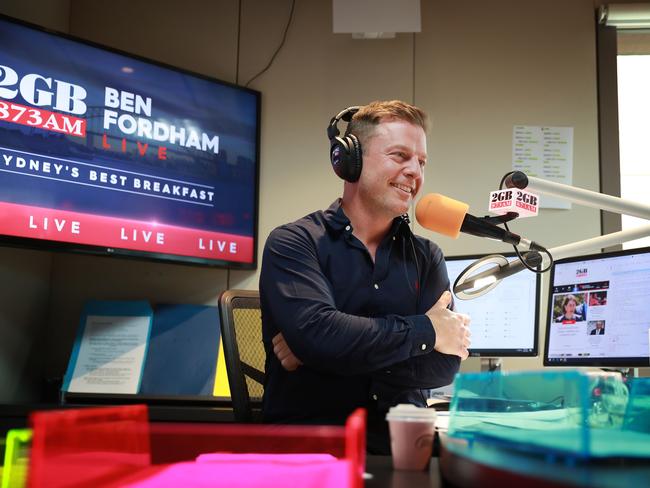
<point>108,153</point>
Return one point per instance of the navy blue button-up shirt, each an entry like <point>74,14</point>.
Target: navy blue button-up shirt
<point>357,325</point>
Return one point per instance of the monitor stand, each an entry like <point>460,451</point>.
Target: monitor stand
<point>490,364</point>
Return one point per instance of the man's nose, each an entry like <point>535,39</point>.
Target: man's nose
<point>413,167</point>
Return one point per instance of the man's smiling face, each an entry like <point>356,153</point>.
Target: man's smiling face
<point>393,167</point>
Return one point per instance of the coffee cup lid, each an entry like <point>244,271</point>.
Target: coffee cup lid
<point>411,413</point>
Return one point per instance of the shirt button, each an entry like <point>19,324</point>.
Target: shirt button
<point>347,227</point>
<point>393,237</point>
<point>423,347</point>
<point>376,286</point>
<point>388,371</point>
<point>374,397</point>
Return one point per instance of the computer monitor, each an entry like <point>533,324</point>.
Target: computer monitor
<point>107,153</point>
<point>599,310</point>
<point>504,321</point>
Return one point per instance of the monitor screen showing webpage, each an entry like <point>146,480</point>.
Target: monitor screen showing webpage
<point>504,321</point>
<point>598,310</point>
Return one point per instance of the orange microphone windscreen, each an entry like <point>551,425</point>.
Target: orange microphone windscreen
<point>441,214</point>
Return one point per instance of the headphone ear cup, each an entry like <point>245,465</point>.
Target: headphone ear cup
<point>345,156</point>
<point>345,152</point>
<point>339,155</point>
<point>356,158</point>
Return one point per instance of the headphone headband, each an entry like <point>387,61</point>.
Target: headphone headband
<point>345,115</point>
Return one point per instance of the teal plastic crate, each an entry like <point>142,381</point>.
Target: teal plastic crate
<point>572,415</point>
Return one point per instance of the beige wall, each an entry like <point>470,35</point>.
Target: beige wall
<point>477,67</point>
<point>52,14</point>
<point>507,63</point>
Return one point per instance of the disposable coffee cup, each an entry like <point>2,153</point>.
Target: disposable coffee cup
<point>411,436</point>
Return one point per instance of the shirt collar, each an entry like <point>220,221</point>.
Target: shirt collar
<point>336,220</point>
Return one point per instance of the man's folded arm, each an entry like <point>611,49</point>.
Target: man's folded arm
<point>427,371</point>
<point>299,300</point>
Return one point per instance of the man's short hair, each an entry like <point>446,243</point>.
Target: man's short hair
<point>365,121</point>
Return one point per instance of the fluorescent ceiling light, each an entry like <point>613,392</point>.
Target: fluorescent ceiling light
<point>625,15</point>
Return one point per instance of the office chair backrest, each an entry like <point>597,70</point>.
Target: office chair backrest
<point>241,331</point>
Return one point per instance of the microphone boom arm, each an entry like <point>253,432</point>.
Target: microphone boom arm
<point>580,196</point>
<point>567,250</point>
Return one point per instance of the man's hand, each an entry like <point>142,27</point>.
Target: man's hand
<point>281,350</point>
<point>452,331</point>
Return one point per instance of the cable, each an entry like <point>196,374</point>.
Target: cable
<point>238,44</point>
<point>406,220</point>
<point>517,252</point>
<point>413,72</point>
<point>417,266</point>
<point>284,38</point>
<point>412,209</point>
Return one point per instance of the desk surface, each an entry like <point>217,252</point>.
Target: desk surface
<point>384,476</point>
<point>472,467</point>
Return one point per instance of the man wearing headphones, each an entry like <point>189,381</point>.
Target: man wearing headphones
<point>355,308</point>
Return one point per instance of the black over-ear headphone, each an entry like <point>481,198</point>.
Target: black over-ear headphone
<point>345,152</point>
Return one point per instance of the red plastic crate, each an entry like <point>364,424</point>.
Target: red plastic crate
<point>116,446</point>
<point>87,447</point>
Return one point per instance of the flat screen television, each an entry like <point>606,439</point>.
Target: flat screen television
<point>598,310</point>
<point>109,153</point>
<point>505,320</point>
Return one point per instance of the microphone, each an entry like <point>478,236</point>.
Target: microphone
<point>449,217</point>
<point>516,179</point>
